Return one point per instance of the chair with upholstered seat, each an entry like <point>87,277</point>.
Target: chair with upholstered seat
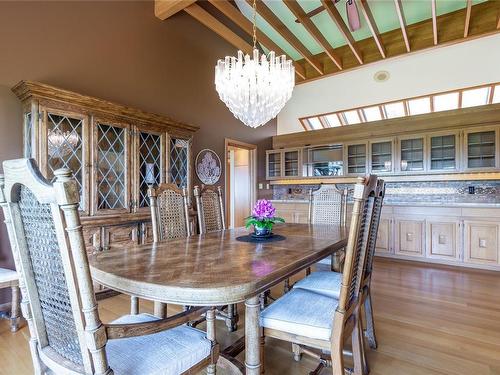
<point>329,283</point>
<point>9,279</point>
<point>320,322</point>
<point>210,209</point>
<point>67,335</point>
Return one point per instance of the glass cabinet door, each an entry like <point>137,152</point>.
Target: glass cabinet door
<point>443,152</point>
<point>381,156</point>
<point>179,162</point>
<point>274,164</point>
<point>292,163</point>
<point>412,154</point>
<point>481,149</point>
<point>111,167</point>
<point>65,147</point>
<point>356,159</point>
<point>150,164</point>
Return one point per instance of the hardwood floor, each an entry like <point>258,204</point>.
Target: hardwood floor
<point>430,320</point>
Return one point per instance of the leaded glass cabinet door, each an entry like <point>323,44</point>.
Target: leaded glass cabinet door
<point>179,159</point>
<point>111,167</point>
<point>64,146</point>
<point>149,166</point>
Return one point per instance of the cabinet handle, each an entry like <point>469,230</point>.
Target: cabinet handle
<point>409,237</point>
<point>442,239</point>
<point>482,242</point>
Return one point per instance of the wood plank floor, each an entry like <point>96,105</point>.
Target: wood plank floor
<point>430,320</point>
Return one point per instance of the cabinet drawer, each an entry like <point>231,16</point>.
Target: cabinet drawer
<point>147,233</point>
<point>384,236</point>
<point>442,239</point>
<point>481,242</point>
<point>120,235</point>
<point>410,237</point>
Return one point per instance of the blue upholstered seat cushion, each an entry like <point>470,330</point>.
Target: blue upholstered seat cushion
<point>301,312</point>
<point>322,282</point>
<point>169,352</point>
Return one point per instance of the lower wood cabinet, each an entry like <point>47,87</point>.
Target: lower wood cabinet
<point>481,242</point>
<point>384,243</point>
<point>409,237</point>
<point>120,235</point>
<point>443,238</point>
<point>293,212</point>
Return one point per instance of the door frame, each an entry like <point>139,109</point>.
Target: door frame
<point>228,142</point>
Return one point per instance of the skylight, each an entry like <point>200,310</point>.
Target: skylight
<point>446,101</point>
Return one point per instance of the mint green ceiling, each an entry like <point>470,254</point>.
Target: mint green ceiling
<point>384,12</point>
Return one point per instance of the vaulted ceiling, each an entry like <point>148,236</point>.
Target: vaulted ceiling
<point>318,36</point>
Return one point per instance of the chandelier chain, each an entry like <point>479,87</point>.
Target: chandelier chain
<point>254,24</point>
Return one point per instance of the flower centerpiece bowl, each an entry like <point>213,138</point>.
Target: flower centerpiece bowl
<point>263,218</point>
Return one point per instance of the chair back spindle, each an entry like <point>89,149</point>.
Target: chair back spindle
<point>328,205</point>
<point>169,212</point>
<point>58,297</point>
<point>210,209</point>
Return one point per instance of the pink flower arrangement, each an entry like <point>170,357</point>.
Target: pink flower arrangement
<point>263,216</point>
<point>263,209</point>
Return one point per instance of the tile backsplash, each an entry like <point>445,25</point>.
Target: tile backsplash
<point>408,192</point>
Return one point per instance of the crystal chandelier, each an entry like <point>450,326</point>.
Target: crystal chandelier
<point>255,88</point>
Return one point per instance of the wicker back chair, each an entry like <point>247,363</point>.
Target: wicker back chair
<point>58,299</point>
<point>298,316</point>
<point>210,209</point>
<point>328,205</point>
<point>169,212</point>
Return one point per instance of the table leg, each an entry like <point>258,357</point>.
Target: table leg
<point>252,336</point>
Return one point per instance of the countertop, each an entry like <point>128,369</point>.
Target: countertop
<point>413,204</point>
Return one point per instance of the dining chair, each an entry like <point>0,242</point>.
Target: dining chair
<point>58,300</point>
<point>9,279</point>
<point>210,209</point>
<point>323,323</point>
<point>329,283</point>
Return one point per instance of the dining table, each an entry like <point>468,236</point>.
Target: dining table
<point>218,268</point>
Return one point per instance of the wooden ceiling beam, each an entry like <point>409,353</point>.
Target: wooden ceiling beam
<point>434,22</point>
<point>201,15</point>
<point>402,21</point>
<point>167,8</point>
<point>280,27</point>
<point>231,12</point>
<point>467,18</point>
<point>337,19</point>
<point>309,25</point>
<point>370,20</point>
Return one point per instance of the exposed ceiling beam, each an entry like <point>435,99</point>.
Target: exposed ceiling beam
<point>402,22</point>
<point>218,27</point>
<point>434,22</point>
<point>167,8</point>
<point>309,25</point>
<point>498,22</point>
<point>337,19</point>
<point>277,25</point>
<point>313,12</point>
<point>467,18</point>
<point>365,8</point>
<point>226,8</point>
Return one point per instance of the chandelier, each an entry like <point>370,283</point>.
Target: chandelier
<point>255,88</point>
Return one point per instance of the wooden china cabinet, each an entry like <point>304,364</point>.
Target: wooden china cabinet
<point>115,153</point>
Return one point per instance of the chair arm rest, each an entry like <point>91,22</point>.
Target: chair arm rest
<point>118,331</point>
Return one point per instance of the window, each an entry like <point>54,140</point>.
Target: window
<point>471,98</point>
<point>419,106</point>
<point>445,101</point>
<point>393,110</point>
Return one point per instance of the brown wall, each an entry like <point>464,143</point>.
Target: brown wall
<point>120,52</point>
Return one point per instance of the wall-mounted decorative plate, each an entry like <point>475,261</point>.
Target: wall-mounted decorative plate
<point>208,166</point>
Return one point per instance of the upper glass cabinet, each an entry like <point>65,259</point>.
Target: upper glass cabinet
<point>274,164</point>
<point>443,152</point>
<point>411,154</point>
<point>324,160</point>
<point>356,159</point>
<point>150,164</point>
<point>481,149</point>
<point>381,156</point>
<point>179,162</point>
<point>292,163</point>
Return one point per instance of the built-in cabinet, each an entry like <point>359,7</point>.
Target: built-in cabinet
<point>436,152</point>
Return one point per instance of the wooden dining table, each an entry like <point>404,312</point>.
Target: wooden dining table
<point>216,269</point>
